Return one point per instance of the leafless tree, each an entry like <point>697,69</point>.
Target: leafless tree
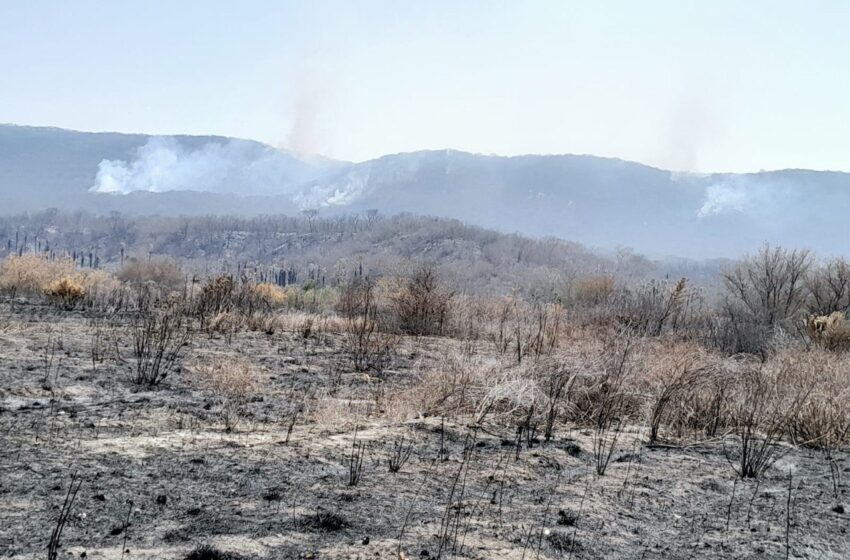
<point>770,284</point>
<point>764,292</point>
<point>829,287</point>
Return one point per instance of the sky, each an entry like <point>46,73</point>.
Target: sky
<point>683,85</point>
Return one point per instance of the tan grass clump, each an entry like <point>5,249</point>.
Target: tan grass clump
<point>66,291</point>
<point>231,378</point>
<point>309,323</point>
<point>593,290</point>
<point>271,295</point>
<point>337,415</point>
<point>225,323</point>
<point>830,331</point>
<point>162,272</point>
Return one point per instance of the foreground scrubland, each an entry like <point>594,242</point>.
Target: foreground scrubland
<point>153,412</point>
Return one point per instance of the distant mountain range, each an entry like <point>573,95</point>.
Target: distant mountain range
<point>601,202</point>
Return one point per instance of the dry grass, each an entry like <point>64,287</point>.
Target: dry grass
<point>337,415</point>
<point>231,378</point>
<point>162,272</point>
<point>271,295</point>
<point>309,323</point>
<point>66,291</point>
<point>32,274</point>
<point>59,280</point>
<point>519,363</point>
<point>830,331</point>
<point>823,421</point>
<point>767,399</point>
<point>593,290</point>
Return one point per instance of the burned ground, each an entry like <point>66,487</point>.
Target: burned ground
<point>162,478</point>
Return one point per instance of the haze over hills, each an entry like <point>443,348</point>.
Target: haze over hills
<point>600,202</point>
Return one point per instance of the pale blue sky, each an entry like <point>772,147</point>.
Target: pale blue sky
<point>700,86</point>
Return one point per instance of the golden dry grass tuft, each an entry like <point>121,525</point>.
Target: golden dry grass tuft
<point>32,274</point>
<point>231,378</point>
<point>270,294</point>
<point>830,331</point>
<point>66,291</point>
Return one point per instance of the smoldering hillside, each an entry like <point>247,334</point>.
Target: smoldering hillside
<point>603,203</point>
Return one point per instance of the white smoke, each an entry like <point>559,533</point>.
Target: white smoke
<point>724,198</point>
<point>342,190</point>
<point>748,196</point>
<point>231,166</point>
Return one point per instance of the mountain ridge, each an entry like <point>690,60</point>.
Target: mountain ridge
<point>599,201</point>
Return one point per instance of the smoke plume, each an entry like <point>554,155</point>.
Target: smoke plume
<point>750,196</point>
<point>235,166</point>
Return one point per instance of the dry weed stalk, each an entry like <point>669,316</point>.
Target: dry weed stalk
<point>355,460</point>
<point>399,455</point>
<point>768,398</point>
<point>62,520</point>
<point>680,375</point>
<point>609,416</point>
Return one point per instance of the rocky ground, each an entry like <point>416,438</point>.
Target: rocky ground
<point>160,476</point>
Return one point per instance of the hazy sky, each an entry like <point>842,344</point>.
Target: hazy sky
<point>702,86</point>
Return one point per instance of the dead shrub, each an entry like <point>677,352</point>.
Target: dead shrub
<point>224,295</point>
<point>164,273</point>
<point>421,304</point>
<point>764,293</point>
<point>508,395</point>
<point>556,380</point>
<point>655,306</point>
<point>338,415</point>
<point>307,324</point>
<point>502,335</point>
<point>209,552</point>
<point>823,422</point>
<point>399,455</point>
<point>690,395</point>
<point>537,330</point>
<point>454,387</point>
<point>325,521</point>
<point>524,329</point>
<point>266,323</point>
<point>224,323</point>
<point>214,298</point>
<point>368,347</point>
<point>676,375</point>
<point>158,340</point>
